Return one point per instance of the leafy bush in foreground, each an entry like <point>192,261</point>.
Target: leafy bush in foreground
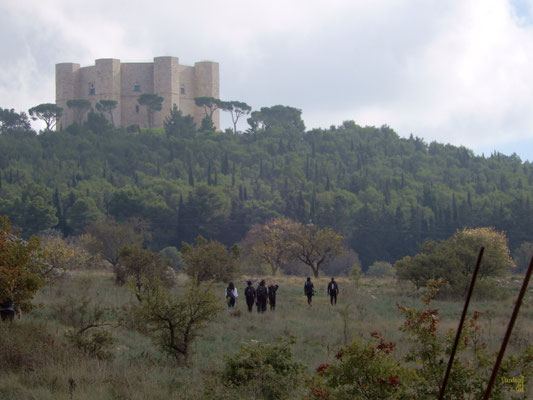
<point>369,370</point>
<point>259,371</point>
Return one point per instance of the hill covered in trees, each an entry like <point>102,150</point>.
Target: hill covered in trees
<point>384,193</point>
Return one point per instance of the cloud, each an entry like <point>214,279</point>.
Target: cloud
<point>454,71</point>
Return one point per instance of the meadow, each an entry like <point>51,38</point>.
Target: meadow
<point>39,363</point>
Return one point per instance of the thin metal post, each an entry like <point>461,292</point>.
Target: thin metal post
<point>461,323</point>
<point>509,330</point>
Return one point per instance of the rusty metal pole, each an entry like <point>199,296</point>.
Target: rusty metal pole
<point>509,330</point>
<point>461,323</point>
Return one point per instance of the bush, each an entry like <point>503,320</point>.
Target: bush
<point>380,269</point>
<point>260,371</point>
<point>173,256</point>
<point>140,263</point>
<point>454,260</point>
<point>174,322</point>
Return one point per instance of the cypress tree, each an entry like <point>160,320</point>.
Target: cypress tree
<point>224,168</point>
<point>233,175</point>
<point>191,176</point>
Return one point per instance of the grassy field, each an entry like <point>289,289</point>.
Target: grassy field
<point>44,366</point>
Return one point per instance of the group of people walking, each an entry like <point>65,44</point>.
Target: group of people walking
<point>333,291</point>
<point>260,296</point>
<point>263,295</point>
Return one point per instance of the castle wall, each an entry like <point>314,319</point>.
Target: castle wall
<point>133,74</point>
<point>109,79</point>
<point>187,93</point>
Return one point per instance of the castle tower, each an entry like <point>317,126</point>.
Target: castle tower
<point>206,82</point>
<point>66,89</point>
<point>107,84</point>
<point>166,85</point>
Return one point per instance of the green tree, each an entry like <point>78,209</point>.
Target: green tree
<point>237,109</point>
<point>314,246</point>
<point>106,237</point>
<point>48,112</point>
<point>144,267</point>
<point>79,109</point>
<point>83,212</point>
<point>271,243</point>
<point>20,267</point>
<point>174,322</point>
<point>210,260</point>
<point>176,124</point>
<point>454,259</point>
<point>281,118</point>
<point>32,211</point>
<point>107,106</point>
<point>209,104</point>
<point>152,103</point>
<point>12,121</point>
<point>522,256</point>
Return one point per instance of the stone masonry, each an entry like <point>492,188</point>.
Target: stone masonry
<point>109,79</point>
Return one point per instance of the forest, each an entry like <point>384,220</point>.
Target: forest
<point>114,260</point>
<point>385,194</point>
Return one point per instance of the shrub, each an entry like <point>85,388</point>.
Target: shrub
<point>380,269</point>
<point>210,260</point>
<point>262,371</point>
<point>454,260</point>
<point>137,263</point>
<point>174,322</point>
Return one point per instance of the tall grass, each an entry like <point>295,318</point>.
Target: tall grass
<point>36,362</point>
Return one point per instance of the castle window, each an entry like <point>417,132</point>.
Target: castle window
<point>92,90</point>
<point>182,90</point>
<point>136,87</point>
<point>137,109</point>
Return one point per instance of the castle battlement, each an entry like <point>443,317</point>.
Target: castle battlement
<point>109,79</point>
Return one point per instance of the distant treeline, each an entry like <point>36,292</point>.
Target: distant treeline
<point>384,193</point>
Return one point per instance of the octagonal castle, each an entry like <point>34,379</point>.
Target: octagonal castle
<point>109,79</point>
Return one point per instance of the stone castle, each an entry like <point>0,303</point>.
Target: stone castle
<point>109,79</point>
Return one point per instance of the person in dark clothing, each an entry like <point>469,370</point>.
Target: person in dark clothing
<point>333,290</point>
<point>249,293</point>
<point>261,295</point>
<point>8,311</point>
<point>309,290</point>
<point>272,296</point>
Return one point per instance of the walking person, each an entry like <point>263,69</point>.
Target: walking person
<point>333,290</point>
<point>8,311</point>
<point>261,294</point>
<point>272,289</point>
<point>231,296</point>
<point>309,290</point>
<point>249,293</point>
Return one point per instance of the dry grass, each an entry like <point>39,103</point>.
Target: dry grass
<point>41,365</point>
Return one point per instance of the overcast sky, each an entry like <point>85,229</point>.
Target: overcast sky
<point>454,71</point>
